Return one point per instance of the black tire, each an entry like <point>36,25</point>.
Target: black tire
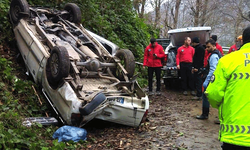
<point>128,62</point>
<point>19,9</point>
<point>58,66</point>
<point>166,83</point>
<point>74,15</point>
<point>95,102</point>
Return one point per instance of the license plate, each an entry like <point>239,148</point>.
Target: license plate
<point>116,99</point>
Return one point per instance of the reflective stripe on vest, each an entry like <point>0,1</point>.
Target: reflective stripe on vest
<point>241,76</point>
<point>235,128</point>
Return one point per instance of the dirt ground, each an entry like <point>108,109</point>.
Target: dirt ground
<point>172,126</point>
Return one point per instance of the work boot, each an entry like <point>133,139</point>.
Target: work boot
<point>158,93</point>
<point>150,93</point>
<point>185,93</point>
<point>197,98</point>
<point>193,93</point>
<point>217,121</point>
<point>204,115</point>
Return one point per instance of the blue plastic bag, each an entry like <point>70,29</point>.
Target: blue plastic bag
<point>67,133</point>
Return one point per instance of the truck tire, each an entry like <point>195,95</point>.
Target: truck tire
<point>128,62</point>
<point>19,9</point>
<point>74,15</point>
<point>58,66</point>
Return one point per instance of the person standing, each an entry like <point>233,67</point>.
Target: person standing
<point>184,60</point>
<point>228,92</point>
<point>218,47</point>
<point>197,66</point>
<point>213,59</point>
<point>237,45</point>
<point>152,59</point>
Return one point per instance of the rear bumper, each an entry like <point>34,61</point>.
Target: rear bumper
<point>170,72</point>
<point>130,114</point>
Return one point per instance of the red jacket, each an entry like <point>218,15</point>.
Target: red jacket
<point>232,48</point>
<point>218,47</point>
<point>185,54</point>
<point>149,59</point>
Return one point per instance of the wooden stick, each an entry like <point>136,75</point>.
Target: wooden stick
<point>39,100</point>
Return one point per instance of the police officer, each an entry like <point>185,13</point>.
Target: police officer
<point>214,56</point>
<point>228,92</point>
<point>218,47</point>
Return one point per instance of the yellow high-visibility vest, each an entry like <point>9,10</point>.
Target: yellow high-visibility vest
<point>229,91</point>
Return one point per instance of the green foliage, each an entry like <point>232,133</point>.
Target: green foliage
<point>5,71</point>
<point>5,26</point>
<point>18,101</point>
<point>15,107</point>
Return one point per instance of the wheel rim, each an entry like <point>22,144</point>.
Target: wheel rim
<point>16,11</point>
<point>54,65</point>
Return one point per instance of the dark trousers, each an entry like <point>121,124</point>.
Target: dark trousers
<point>226,146</point>
<point>186,76</point>
<point>205,102</point>
<point>157,71</point>
<point>198,84</point>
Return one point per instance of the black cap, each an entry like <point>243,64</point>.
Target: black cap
<point>152,40</point>
<point>246,35</point>
<point>214,37</point>
<point>196,40</point>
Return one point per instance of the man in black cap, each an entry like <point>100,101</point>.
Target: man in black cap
<point>197,66</point>
<point>152,59</point>
<point>218,46</point>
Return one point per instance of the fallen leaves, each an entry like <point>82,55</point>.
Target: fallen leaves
<point>152,128</point>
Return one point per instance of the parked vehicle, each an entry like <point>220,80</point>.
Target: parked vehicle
<point>177,37</point>
<point>164,42</point>
<point>225,49</point>
<point>82,75</point>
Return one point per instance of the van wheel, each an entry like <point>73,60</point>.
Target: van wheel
<point>74,15</point>
<point>58,66</point>
<point>128,62</point>
<point>19,9</point>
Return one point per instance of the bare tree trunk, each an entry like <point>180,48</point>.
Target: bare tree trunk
<point>136,6</point>
<point>139,6</point>
<point>157,12</point>
<point>197,13</point>
<point>176,14</point>
<point>204,13</point>
<point>167,20</point>
<point>141,14</point>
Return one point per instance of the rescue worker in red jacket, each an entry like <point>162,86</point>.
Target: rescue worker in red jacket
<point>184,60</point>
<point>152,59</point>
<point>218,47</point>
<point>237,45</point>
